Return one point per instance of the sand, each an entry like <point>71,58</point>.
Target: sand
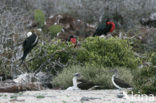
<point>63,96</point>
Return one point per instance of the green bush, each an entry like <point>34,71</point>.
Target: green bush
<point>137,45</point>
<point>54,29</point>
<point>145,81</point>
<point>96,74</point>
<point>108,52</point>
<point>39,17</point>
<point>153,58</point>
<point>49,54</point>
<point>99,51</point>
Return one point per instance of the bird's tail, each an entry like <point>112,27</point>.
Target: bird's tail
<point>95,87</point>
<point>23,58</point>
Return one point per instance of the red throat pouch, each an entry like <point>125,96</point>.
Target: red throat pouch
<point>73,40</point>
<point>113,26</point>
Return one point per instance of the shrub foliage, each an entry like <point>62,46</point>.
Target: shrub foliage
<point>39,17</point>
<point>99,51</point>
<point>54,29</point>
<point>153,58</point>
<point>51,56</point>
<point>145,81</point>
<point>97,74</point>
<point>108,52</point>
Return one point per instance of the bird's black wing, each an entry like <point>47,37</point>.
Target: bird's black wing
<point>82,80</point>
<point>99,30</point>
<point>121,83</point>
<point>28,42</point>
<point>106,29</point>
<point>84,84</point>
<point>102,29</point>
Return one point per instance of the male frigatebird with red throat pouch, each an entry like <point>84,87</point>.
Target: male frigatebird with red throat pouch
<point>104,28</point>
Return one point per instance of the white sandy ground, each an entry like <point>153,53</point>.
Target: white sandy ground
<point>63,96</point>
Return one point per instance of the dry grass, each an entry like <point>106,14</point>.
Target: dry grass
<point>96,74</point>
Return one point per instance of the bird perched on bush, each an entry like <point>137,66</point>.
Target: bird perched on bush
<point>104,28</point>
<point>28,44</point>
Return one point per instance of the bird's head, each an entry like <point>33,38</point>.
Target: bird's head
<point>71,36</point>
<point>108,19</point>
<point>114,71</point>
<point>77,75</point>
<point>29,34</point>
<point>34,31</point>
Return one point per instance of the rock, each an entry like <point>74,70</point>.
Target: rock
<point>153,16</point>
<point>88,99</point>
<point>120,95</point>
<point>71,26</point>
<point>84,99</point>
<point>145,38</point>
<point>12,87</point>
<point>150,21</point>
<point>24,78</point>
<point>43,78</point>
<point>26,81</point>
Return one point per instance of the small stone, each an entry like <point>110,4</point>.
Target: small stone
<point>120,95</point>
<point>88,98</point>
<point>84,99</point>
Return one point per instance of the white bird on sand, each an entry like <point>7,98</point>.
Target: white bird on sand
<point>118,83</point>
<point>74,87</point>
<point>82,84</point>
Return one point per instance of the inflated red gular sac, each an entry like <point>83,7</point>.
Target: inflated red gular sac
<point>73,40</point>
<point>112,26</point>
